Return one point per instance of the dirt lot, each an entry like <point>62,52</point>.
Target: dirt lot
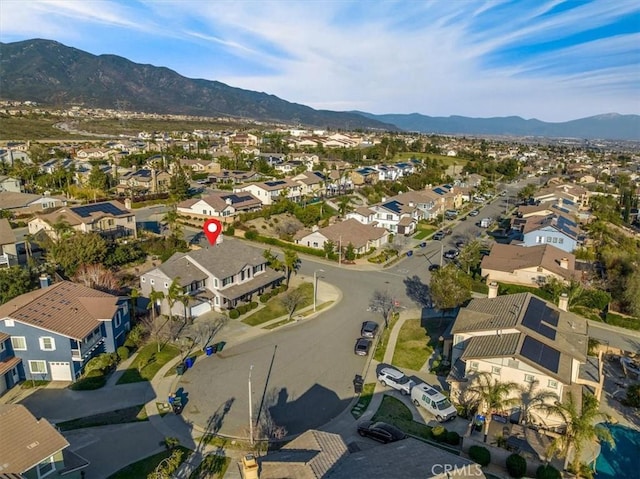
<point>284,222</point>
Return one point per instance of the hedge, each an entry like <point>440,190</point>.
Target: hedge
<point>548,472</point>
<point>480,454</point>
<point>234,314</point>
<point>453,438</point>
<point>516,466</point>
<point>252,235</point>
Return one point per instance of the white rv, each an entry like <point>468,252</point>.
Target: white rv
<point>433,401</point>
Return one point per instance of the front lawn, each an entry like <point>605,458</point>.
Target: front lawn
<point>212,467</point>
<point>148,362</point>
<point>383,341</point>
<point>364,400</point>
<point>412,348</point>
<point>144,467</point>
<point>393,411</point>
<point>275,309</point>
<point>119,416</point>
<point>424,230</point>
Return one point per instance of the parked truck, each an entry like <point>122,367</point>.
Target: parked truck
<point>426,396</point>
<point>486,222</point>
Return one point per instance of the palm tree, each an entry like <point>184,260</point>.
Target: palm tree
<point>292,263</point>
<point>174,295</point>
<point>531,399</point>
<point>171,218</point>
<point>61,228</point>
<point>154,297</point>
<point>493,396</point>
<point>582,427</point>
<point>135,294</point>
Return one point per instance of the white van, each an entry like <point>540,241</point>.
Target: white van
<point>433,401</point>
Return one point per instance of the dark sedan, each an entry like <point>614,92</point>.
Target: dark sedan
<point>362,346</point>
<point>369,329</point>
<point>433,267</point>
<point>380,431</point>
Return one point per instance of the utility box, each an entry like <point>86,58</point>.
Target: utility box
<point>249,467</point>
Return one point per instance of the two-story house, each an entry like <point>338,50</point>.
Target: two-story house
<point>364,176</point>
<point>145,180</point>
<point>556,230</point>
<point>521,338</point>
<point>397,217</point>
<point>108,218</point>
<point>8,183</point>
<point>269,192</point>
<point>8,251</point>
<point>11,367</point>
<point>312,183</point>
<point>57,329</point>
<point>32,448</point>
<point>218,277</point>
<point>223,205</point>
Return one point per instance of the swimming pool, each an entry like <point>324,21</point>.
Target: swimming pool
<point>623,461</point>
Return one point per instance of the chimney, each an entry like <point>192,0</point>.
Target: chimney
<point>564,263</point>
<point>45,281</point>
<point>314,228</point>
<point>563,302</point>
<point>493,290</point>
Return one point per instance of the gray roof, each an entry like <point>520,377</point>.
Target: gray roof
<point>487,314</point>
<point>259,281</point>
<point>227,258</point>
<point>179,266</point>
<point>7,235</point>
<point>492,346</point>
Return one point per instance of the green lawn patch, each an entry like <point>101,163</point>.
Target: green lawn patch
<point>394,411</point>
<point>412,348</point>
<point>119,416</point>
<point>424,230</point>
<point>274,308</point>
<point>623,321</point>
<point>381,346</point>
<point>146,466</point>
<point>148,362</point>
<point>305,314</point>
<point>364,400</point>
<point>212,467</point>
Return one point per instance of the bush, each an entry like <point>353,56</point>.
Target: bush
<point>94,379</point>
<point>439,433</point>
<point>548,472</point>
<point>480,454</point>
<point>253,305</point>
<point>242,309</point>
<point>230,231</point>
<point>102,363</point>
<point>265,297</point>
<point>633,395</point>
<point>251,235</point>
<point>135,338</point>
<point>453,438</point>
<point>516,466</point>
<point>281,289</point>
<point>234,314</point>
<point>123,353</point>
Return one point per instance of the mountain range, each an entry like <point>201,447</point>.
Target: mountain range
<point>53,74</point>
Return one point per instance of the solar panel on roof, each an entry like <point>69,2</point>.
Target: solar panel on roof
<point>88,210</point>
<point>539,353</point>
<point>536,315</point>
<point>394,206</point>
<point>275,183</point>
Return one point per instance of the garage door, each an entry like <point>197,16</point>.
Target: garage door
<point>60,371</point>
<point>200,309</point>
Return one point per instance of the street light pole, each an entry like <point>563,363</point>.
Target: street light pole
<point>250,409</point>
<point>315,287</point>
<point>340,251</point>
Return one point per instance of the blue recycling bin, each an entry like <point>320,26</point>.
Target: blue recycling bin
<point>209,350</point>
<point>188,362</point>
<point>423,244</point>
<point>409,253</point>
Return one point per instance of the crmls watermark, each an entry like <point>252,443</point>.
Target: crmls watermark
<point>457,470</point>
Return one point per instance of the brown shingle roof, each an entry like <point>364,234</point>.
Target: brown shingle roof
<point>352,231</point>
<point>6,233</point>
<point>66,308</point>
<point>25,441</point>
<point>7,364</point>
<point>509,258</point>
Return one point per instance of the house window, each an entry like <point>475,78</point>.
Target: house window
<point>47,344</point>
<point>473,366</point>
<point>529,378</point>
<point>560,240</point>
<point>166,285</point>
<point>495,370</point>
<point>215,282</point>
<point>2,347</point>
<point>553,384</point>
<point>118,321</point>
<point>152,281</point>
<point>548,239</point>
<point>555,240</point>
<point>227,281</point>
<point>19,343</point>
<point>38,367</point>
<point>143,279</point>
<point>46,467</point>
<point>129,219</point>
<point>9,323</point>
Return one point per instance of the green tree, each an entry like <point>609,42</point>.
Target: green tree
<point>350,252</point>
<point>154,297</point>
<point>533,399</point>
<point>175,294</point>
<point>171,217</point>
<point>292,263</point>
<point>77,249</point>
<point>582,427</point>
<point>98,179</point>
<point>179,184</point>
<point>15,281</point>
<point>449,287</point>
<point>470,255</point>
<point>329,247</point>
<point>631,294</point>
<point>493,396</point>
<point>273,261</point>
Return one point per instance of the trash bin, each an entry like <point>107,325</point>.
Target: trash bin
<point>409,253</point>
<point>423,244</point>
<point>188,362</point>
<point>358,382</point>
<point>180,369</point>
<point>209,350</point>
<point>220,345</point>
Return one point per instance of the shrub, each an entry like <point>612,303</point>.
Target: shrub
<point>242,309</point>
<point>480,454</point>
<point>453,438</point>
<point>548,472</point>
<point>102,363</point>
<point>94,379</point>
<point>265,297</point>
<point>123,353</point>
<point>439,433</point>
<point>282,288</point>
<point>135,337</point>
<point>250,235</point>
<point>234,314</point>
<point>230,231</point>
<point>516,466</point>
<point>253,305</point>
<point>633,395</point>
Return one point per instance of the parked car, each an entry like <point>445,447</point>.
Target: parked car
<point>362,346</point>
<point>380,431</point>
<point>486,222</point>
<point>369,329</point>
<point>396,379</point>
<point>427,397</point>
<point>433,267</point>
<point>474,213</point>
<point>438,235</point>
<point>460,244</point>
<point>451,254</point>
<point>447,231</point>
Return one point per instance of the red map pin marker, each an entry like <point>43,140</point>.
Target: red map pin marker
<point>212,229</point>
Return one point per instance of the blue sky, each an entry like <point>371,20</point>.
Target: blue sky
<point>552,60</point>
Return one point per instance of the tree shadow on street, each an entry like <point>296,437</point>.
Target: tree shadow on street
<point>417,291</point>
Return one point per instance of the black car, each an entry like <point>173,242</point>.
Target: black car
<point>369,329</point>
<point>380,431</point>
<point>433,267</point>
<point>362,346</point>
